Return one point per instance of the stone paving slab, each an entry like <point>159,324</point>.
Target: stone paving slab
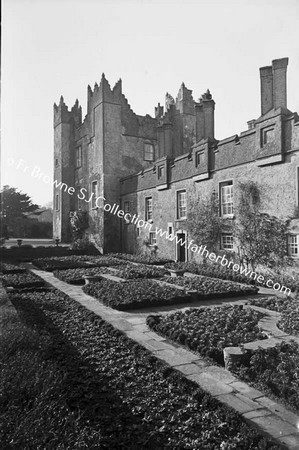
<point>246,390</point>
<point>291,441</point>
<point>256,413</point>
<point>274,426</point>
<point>173,358</point>
<point>221,374</point>
<point>268,415</point>
<point>279,410</point>
<point>239,402</point>
<point>208,383</point>
<point>190,369</point>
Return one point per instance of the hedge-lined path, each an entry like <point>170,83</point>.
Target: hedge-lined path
<point>269,416</point>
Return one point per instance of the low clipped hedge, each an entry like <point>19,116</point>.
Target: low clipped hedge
<point>212,287</point>
<point>75,262</point>
<point>76,276</point>
<point>79,383</point>
<point>208,331</point>
<point>135,294</point>
<point>289,309</point>
<point>22,280</point>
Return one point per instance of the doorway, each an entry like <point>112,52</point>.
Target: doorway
<point>181,248</point>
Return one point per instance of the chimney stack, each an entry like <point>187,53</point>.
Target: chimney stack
<point>205,117</point>
<point>280,82</point>
<point>274,85</point>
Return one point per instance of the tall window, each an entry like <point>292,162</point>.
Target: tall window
<point>148,208</point>
<point>181,205</point>
<point>79,156</point>
<point>94,191</point>
<point>227,241</point>
<point>57,202</point>
<point>149,152</point>
<point>152,238</point>
<point>78,201</point>
<point>293,245</point>
<point>126,207</point>
<point>226,199</point>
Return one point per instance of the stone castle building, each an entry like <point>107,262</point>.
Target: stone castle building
<point>152,168</point>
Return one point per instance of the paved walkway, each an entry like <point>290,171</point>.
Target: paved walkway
<point>268,415</point>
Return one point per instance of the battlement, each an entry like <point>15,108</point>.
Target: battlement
<point>63,115</point>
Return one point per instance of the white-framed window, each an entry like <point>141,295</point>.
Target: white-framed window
<point>149,152</point>
<point>126,207</point>
<point>226,199</point>
<point>148,208</point>
<point>79,156</point>
<point>181,205</point>
<point>152,238</point>
<point>227,241</point>
<point>57,202</point>
<point>161,171</point>
<point>170,228</point>
<point>293,245</point>
<point>94,191</point>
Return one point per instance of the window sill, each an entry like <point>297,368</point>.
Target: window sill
<point>228,216</point>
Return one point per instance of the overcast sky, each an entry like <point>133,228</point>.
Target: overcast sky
<point>52,47</point>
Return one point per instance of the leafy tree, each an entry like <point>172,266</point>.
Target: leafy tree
<point>14,207</point>
<point>204,223</point>
<point>260,236</point>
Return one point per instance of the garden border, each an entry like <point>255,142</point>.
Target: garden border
<point>270,417</point>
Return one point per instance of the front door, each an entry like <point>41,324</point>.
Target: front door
<point>181,247</point>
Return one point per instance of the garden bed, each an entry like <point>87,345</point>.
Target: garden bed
<point>75,262</point>
<point>135,294</point>
<point>142,259</point>
<point>76,276</point>
<point>208,331</point>
<point>211,287</point>
<point>217,271</point>
<point>275,371</point>
<point>133,272</point>
<point>210,270</point>
<point>22,280</point>
<point>28,253</point>
<point>6,268</point>
<point>289,309</point>
<point>79,383</point>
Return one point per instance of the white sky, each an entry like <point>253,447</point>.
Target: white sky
<point>52,47</point>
